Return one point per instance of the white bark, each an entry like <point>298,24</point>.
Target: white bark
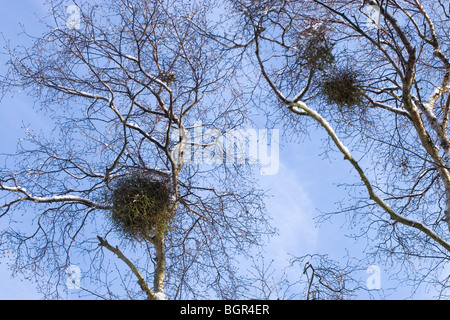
<point>65,198</point>
<point>348,156</point>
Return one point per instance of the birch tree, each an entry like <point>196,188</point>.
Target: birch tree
<point>373,76</point>
<point>123,83</point>
<point>127,76</point>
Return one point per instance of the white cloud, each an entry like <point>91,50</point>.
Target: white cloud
<point>292,213</point>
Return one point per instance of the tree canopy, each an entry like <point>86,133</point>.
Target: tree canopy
<point>141,94</point>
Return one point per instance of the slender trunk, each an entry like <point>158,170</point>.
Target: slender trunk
<point>160,269</point>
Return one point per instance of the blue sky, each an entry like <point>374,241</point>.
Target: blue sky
<point>304,184</point>
<point>13,114</point>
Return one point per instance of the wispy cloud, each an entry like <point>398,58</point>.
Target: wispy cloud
<point>292,212</point>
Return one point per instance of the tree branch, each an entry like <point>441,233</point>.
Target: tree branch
<point>53,199</point>
<point>348,156</point>
<point>141,281</point>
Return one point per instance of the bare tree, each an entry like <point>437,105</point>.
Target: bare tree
<point>309,277</point>
<point>374,77</point>
<point>124,85</point>
<point>129,76</point>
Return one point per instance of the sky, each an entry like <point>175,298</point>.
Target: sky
<point>304,185</point>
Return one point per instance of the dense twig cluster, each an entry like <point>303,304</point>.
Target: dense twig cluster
<point>341,87</point>
<point>140,206</point>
